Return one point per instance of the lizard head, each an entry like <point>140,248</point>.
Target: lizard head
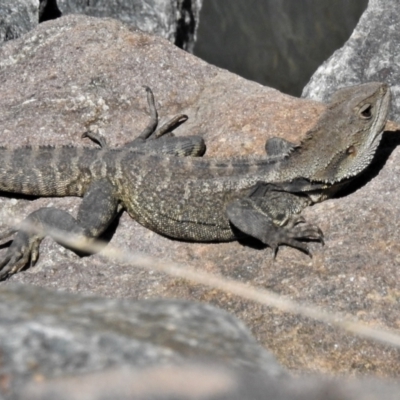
<point>348,133</point>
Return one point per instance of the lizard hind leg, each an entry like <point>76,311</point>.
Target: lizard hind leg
<point>152,125</point>
<point>145,134</point>
<point>150,131</point>
<point>250,218</point>
<point>156,141</point>
<point>97,210</point>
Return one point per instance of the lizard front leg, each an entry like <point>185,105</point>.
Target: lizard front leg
<point>97,210</point>
<point>271,216</point>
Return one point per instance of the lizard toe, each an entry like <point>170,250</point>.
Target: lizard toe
<point>15,264</point>
<point>307,231</point>
<point>286,237</point>
<point>298,245</point>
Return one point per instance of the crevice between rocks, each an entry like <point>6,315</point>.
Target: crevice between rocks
<point>48,9</point>
<point>186,26</point>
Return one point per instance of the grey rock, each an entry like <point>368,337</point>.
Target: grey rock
<point>277,43</point>
<point>203,382</point>
<point>56,345</point>
<point>17,17</point>
<point>52,334</point>
<point>370,54</point>
<point>176,21</point>
<point>78,71</point>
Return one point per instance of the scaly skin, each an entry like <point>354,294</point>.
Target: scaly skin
<point>198,199</point>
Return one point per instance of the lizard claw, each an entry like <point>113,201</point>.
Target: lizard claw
<point>275,251</point>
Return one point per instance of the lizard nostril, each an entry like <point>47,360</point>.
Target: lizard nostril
<point>351,150</point>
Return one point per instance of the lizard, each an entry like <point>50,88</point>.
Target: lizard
<point>193,198</point>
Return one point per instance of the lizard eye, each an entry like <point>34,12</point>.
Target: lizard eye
<point>366,111</point>
<point>351,150</point>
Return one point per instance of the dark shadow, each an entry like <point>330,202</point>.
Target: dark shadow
<point>390,140</point>
<point>185,25</point>
<point>18,196</point>
<point>5,244</point>
<point>247,240</point>
<point>48,10</point>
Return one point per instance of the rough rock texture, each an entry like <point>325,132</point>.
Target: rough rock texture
<point>17,17</point>
<point>175,20</point>
<point>62,346</point>
<point>371,54</point>
<point>277,43</point>
<point>202,382</point>
<point>77,71</point>
<point>52,334</point>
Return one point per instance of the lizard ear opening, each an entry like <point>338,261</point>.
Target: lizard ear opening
<point>366,111</point>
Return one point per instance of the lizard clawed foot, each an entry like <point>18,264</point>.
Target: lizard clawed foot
<point>247,216</point>
<point>298,229</point>
<point>23,250</point>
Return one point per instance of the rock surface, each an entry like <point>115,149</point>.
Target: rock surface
<point>203,382</point>
<point>77,71</point>
<point>276,43</point>
<point>57,345</point>
<point>176,21</point>
<point>371,54</point>
<point>51,334</point>
<point>17,17</point>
